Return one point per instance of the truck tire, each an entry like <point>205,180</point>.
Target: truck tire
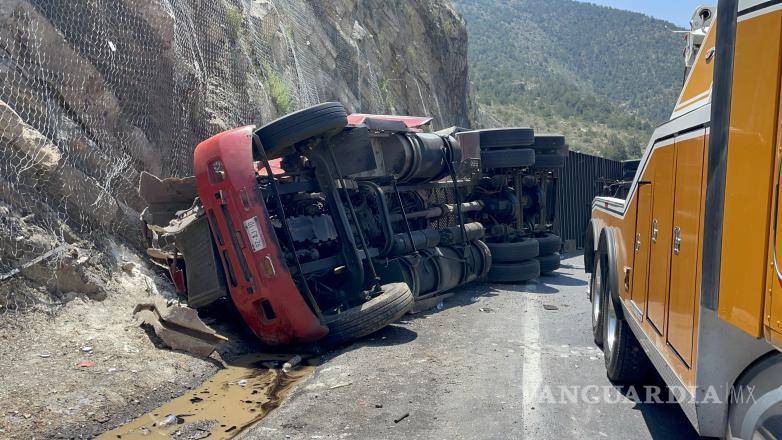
<point>507,137</point>
<point>526,249</point>
<point>549,142</point>
<point>549,263</point>
<point>515,158</point>
<point>626,362</point>
<point>514,272</point>
<point>754,417</point>
<point>279,136</point>
<point>596,297</point>
<point>549,160</point>
<point>548,243</point>
<point>373,315</point>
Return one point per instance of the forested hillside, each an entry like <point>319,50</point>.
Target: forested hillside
<point>603,76</point>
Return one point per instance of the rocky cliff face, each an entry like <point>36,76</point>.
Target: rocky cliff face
<point>92,92</point>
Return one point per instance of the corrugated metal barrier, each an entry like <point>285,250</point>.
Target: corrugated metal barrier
<point>582,179</point>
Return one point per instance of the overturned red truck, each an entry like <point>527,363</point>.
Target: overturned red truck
<point>328,227</point>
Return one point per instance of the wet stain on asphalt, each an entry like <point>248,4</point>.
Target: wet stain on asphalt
<point>233,399</point>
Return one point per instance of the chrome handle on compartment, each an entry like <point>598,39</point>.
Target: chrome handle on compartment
<point>637,242</point>
<point>677,240</point>
<point>655,229</point>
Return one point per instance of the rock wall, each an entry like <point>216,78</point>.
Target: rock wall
<point>92,92</point>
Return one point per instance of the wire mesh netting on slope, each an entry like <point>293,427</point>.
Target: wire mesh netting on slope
<point>92,92</point>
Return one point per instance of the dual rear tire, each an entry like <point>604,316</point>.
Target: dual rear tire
<point>625,360</point>
<point>514,262</point>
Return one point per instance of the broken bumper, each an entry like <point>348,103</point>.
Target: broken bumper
<point>257,276</point>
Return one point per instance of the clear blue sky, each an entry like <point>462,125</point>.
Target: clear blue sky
<point>675,11</point>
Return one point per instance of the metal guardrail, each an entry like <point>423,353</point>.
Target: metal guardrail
<point>582,179</point>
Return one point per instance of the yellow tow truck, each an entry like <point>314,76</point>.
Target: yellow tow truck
<point>686,277</point>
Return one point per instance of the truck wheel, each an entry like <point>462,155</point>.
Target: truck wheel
<point>518,158</point>
<point>549,243</point>
<point>279,136</point>
<point>507,137</point>
<point>526,249</point>
<point>596,296</point>
<point>625,360</point>
<point>549,263</point>
<point>759,412</point>
<point>373,315</point>
<point>514,272</point>
<point>549,160</point>
<point>550,143</point>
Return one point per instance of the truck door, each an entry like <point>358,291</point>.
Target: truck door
<point>664,157</point>
<point>643,241</point>
<point>684,252</point>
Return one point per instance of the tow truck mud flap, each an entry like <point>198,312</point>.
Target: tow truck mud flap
<point>257,276</point>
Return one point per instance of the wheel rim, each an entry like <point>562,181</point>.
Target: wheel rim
<point>597,298</point>
<point>612,325</point>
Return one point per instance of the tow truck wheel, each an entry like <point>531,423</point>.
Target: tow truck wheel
<point>279,136</point>
<point>625,360</point>
<point>373,315</point>
<point>756,407</point>
<point>596,295</point>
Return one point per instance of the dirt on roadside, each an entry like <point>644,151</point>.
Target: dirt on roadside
<point>84,366</point>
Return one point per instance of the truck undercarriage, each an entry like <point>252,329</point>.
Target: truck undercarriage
<point>327,227</point>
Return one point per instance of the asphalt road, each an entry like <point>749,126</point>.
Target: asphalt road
<point>496,362</point>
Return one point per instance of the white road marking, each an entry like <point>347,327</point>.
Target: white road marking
<point>532,378</point>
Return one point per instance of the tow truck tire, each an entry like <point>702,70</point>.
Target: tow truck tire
<point>507,137</point>
<point>596,296</point>
<point>625,360</point>
<point>548,243</point>
<point>549,263</point>
<point>549,160</point>
<point>516,158</point>
<point>375,314</point>
<point>759,412</point>
<point>279,136</point>
<point>526,249</point>
<point>514,272</point>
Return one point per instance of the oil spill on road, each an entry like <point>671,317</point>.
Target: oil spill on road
<point>230,401</point>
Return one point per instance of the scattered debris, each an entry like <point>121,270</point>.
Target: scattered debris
<point>86,364</point>
<point>86,349</point>
<point>291,364</point>
<point>550,307</point>
<point>242,382</point>
<point>378,405</point>
<point>486,309</point>
<point>402,417</point>
<point>44,355</point>
<point>178,327</point>
<point>169,420</point>
<point>340,385</point>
